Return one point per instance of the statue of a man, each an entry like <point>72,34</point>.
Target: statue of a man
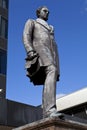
<point>42,62</point>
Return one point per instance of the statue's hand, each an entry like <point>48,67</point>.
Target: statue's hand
<point>32,55</point>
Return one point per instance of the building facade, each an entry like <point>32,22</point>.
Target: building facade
<point>74,104</point>
<point>3,45</point>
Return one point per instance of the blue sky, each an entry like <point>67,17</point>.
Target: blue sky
<point>69,18</point>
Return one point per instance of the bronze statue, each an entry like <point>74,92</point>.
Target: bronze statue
<point>42,62</point>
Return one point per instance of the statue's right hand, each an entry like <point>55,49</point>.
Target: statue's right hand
<point>32,55</point>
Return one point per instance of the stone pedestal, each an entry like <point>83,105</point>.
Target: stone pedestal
<point>54,123</point>
<point>5,127</point>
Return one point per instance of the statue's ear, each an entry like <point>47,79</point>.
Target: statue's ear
<point>38,14</point>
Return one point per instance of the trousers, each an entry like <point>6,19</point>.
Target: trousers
<point>49,90</point>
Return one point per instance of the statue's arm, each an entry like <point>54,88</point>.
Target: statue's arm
<point>28,36</point>
<point>54,49</point>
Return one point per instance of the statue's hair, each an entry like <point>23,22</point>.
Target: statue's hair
<point>38,10</point>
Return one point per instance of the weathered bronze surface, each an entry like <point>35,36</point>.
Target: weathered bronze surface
<point>42,61</point>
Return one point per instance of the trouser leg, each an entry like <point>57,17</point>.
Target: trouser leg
<point>49,90</point>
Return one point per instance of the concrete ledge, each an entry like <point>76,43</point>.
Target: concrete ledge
<point>5,128</point>
<point>53,123</point>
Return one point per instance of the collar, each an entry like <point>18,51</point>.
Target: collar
<point>43,23</point>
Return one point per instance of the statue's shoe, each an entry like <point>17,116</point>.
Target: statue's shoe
<point>56,114</point>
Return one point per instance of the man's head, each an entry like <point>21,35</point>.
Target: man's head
<point>42,12</point>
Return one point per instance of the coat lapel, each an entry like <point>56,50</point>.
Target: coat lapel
<point>43,23</point>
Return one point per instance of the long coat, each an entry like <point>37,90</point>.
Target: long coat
<point>39,36</point>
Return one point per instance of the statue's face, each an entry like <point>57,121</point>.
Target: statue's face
<point>44,12</point>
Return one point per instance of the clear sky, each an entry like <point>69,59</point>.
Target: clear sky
<point>69,18</point>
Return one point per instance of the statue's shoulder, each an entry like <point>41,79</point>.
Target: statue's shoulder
<point>30,21</point>
<point>51,27</point>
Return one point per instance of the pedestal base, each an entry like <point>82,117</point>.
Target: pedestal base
<point>53,123</point>
<point>5,127</point>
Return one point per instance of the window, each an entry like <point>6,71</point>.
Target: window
<point>3,61</point>
<point>3,27</point>
<point>4,3</point>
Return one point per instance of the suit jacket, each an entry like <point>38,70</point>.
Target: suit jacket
<point>39,36</point>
